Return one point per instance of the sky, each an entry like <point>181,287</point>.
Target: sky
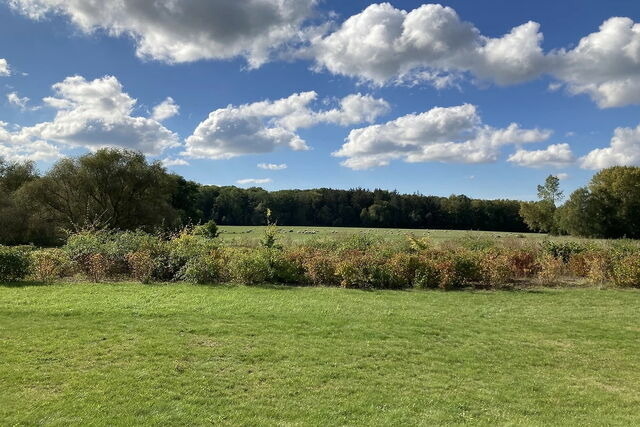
<point>483,98</point>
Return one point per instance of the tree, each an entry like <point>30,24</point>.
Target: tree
<point>540,216</point>
<point>550,190</point>
<point>609,207</point>
<point>111,187</point>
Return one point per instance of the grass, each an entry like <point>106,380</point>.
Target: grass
<point>241,235</point>
<point>131,354</point>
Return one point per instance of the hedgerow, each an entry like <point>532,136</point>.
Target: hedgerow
<point>195,255</point>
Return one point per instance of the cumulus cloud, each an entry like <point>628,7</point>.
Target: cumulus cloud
<point>624,150</point>
<point>272,166</point>
<point>170,161</point>
<point>253,181</point>
<point>16,147</point>
<point>18,101</point>
<point>605,65</point>
<point>165,110</point>
<point>97,113</point>
<point>432,44</point>
<point>187,30</point>
<point>452,135</point>
<point>562,176</point>
<point>261,127</point>
<point>557,155</point>
<point>4,68</point>
<point>383,44</point>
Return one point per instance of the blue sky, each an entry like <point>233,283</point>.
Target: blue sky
<point>557,89</point>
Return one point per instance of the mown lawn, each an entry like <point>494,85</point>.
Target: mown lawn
<point>132,354</point>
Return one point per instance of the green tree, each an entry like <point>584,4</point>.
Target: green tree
<point>550,190</point>
<point>608,207</point>
<point>111,187</point>
<point>540,215</point>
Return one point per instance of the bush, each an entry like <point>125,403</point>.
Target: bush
<point>14,264</point>
<point>97,267</point>
<point>523,262</point>
<point>563,250</point>
<point>626,271</point>
<point>459,269</point>
<point>48,265</point>
<point>428,275</point>
<point>249,266</point>
<point>208,229</point>
<point>318,266</point>
<point>141,266</point>
<point>550,269</point>
<point>284,268</point>
<point>203,269</point>
<point>495,268</point>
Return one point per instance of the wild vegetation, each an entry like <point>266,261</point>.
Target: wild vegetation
<point>361,260</point>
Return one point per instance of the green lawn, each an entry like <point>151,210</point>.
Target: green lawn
<point>131,354</point>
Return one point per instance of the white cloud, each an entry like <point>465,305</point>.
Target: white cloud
<point>272,166</point>
<point>432,44</point>
<point>557,155</point>
<point>624,150</point>
<point>248,181</point>
<point>562,176</point>
<point>605,65</point>
<point>452,135</point>
<point>15,147</point>
<point>383,44</point>
<point>165,110</point>
<point>169,161</point>
<point>97,113</point>
<point>16,100</point>
<point>4,68</point>
<point>261,127</point>
<point>187,30</point>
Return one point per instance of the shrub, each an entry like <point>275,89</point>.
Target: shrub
<point>14,264</point>
<point>185,246</point>
<point>402,268</point>
<point>428,275</point>
<point>249,266</point>
<point>208,268</point>
<point>318,266</point>
<point>209,230</point>
<point>626,271</point>
<point>495,268</point>
<point>50,264</point>
<point>599,265</point>
<point>141,266</point>
<point>550,269</point>
<point>82,245</point>
<point>523,262</point>
<point>563,250</point>
<point>460,270</point>
<point>284,268</point>
<point>97,267</point>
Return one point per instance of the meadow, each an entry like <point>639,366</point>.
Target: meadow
<point>181,354</point>
<point>288,235</point>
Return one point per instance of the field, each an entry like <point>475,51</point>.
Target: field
<point>179,354</point>
<point>248,234</point>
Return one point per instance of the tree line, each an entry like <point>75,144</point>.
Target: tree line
<point>121,189</point>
